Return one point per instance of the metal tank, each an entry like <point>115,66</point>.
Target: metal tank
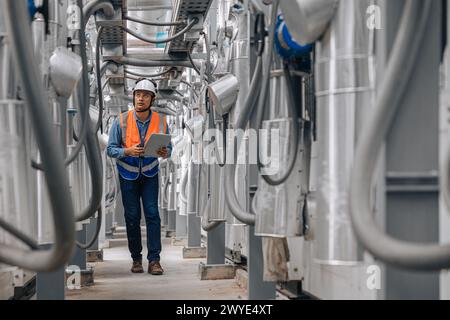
<point>344,92</point>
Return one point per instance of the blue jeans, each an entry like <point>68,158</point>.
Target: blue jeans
<point>132,192</point>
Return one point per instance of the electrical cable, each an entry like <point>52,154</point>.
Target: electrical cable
<point>156,41</point>
<point>153,23</point>
<point>192,62</point>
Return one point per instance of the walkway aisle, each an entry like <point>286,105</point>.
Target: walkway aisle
<point>113,279</point>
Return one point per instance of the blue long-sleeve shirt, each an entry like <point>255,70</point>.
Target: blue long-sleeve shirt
<point>115,148</point>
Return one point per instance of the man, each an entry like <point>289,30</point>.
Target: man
<point>138,174</point>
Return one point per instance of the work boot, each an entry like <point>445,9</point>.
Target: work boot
<point>155,268</point>
<point>137,267</point>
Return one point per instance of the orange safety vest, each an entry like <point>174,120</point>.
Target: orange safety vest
<point>130,131</point>
<point>130,167</point>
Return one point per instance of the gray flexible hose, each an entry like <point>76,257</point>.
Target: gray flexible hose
<point>93,155</point>
<point>166,185</point>
<point>154,23</point>
<point>92,147</point>
<point>78,146</point>
<point>19,234</point>
<point>115,174</point>
<point>262,103</point>
<point>108,65</point>
<point>97,232</point>
<point>252,97</point>
<point>151,40</point>
<point>208,226</point>
<point>15,12</point>
<point>91,7</point>
<point>249,104</point>
<point>230,169</point>
<point>99,80</point>
<point>293,144</point>
<point>398,72</point>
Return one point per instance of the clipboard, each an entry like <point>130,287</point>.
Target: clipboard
<point>156,142</point>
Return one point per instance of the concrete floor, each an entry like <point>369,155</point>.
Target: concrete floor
<point>114,281</point>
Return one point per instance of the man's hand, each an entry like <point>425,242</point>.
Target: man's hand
<point>163,152</point>
<point>134,151</point>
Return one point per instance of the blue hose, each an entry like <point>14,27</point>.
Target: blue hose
<point>285,45</point>
<point>32,9</point>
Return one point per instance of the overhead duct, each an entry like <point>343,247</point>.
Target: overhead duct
<point>65,71</point>
<point>223,93</point>
<point>307,20</point>
<point>344,93</point>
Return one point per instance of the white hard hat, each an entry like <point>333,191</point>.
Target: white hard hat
<point>145,85</point>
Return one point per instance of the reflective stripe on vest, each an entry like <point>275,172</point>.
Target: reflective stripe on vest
<point>129,166</point>
<point>150,166</point>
